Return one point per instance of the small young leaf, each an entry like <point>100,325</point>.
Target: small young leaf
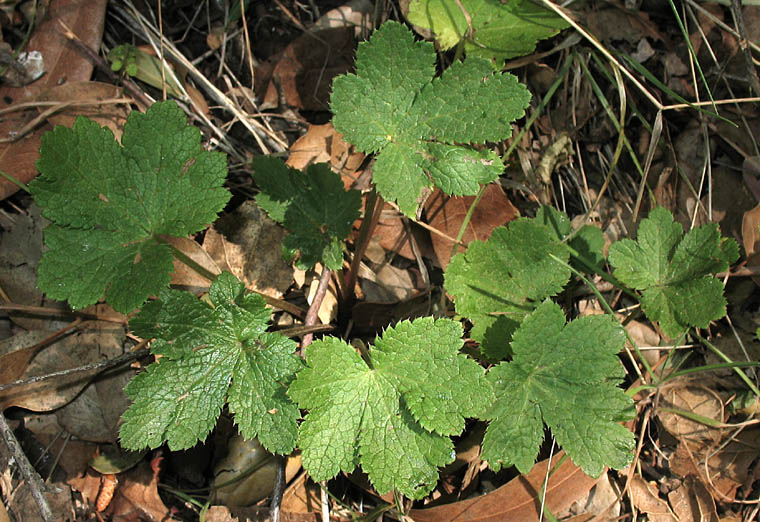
<point>209,353</point>
<point>500,30</point>
<point>109,204</point>
<point>674,273</point>
<point>567,376</point>
<point>392,106</point>
<point>314,206</point>
<point>145,67</point>
<point>497,283</point>
<point>394,416</point>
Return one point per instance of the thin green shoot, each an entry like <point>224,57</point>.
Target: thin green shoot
<point>692,53</point>
<point>15,181</point>
<point>607,107</point>
<point>660,85</point>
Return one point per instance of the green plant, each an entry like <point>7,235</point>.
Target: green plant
<point>211,352</point>
<point>112,206</point>
<point>312,205</point>
<point>674,273</point>
<point>416,125</point>
<point>392,408</point>
<point>487,28</point>
<point>392,412</point>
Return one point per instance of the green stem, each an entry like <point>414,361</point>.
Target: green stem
<point>15,181</point>
<point>736,366</point>
<point>701,419</point>
<point>594,269</point>
<point>533,117</point>
<point>187,260</point>
<point>466,220</point>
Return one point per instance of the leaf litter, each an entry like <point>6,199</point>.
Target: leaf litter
<point>715,473</point>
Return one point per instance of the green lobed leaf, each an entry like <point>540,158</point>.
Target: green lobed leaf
<point>392,415</point>
<point>567,376</point>
<point>497,283</point>
<point>209,353</point>
<point>417,126</point>
<point>673,271</point>
<point>109,204</point>
<point>500,30</point>
<point>314,206</point>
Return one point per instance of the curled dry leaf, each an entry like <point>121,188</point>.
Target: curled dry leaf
<point>750,238</point>
<point>323,144</point>
<point>63,62</point>
<point>519,499</point>
<point>305,70</point>
<point>644,497</point>
<point>82,97</point>
<point>184,276</point>
<point>724,471</point>
<point>692,502</point>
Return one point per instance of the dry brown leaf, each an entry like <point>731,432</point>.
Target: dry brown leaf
<point>66,353</point>
<point>602,501</point>
<point>248,244</point>
<point>20,254</point>
<point>518,500</point>
<point>63,63</point>
<point>15,354</point>
<point>110,115</point>
<point>392,235</point>
<point>644,336</point>
<point>302,496</point>
<point>307,66</point>
<point>750,237</point>
<point>388,284</point>
<point>354,13</point>
<point>446,213</point>
<point>693,397</point>
<point>185,276</point>
<point>618,24</point>
<point>95,413</point>
<point>644,498</point>
<point>692,502</point>
<point>260,514</point>
<point>323,144</point>
<point>373,317</point>
<point>137,496</point>
<point>727,470</point>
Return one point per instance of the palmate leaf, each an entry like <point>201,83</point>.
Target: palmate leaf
<point>109,204</point>
<point>673,271</point>
<point>313,206</point>
<point>497,283</point>
<point>209,353</point>
<point>392,106</point>
<point>567,376</point>
<point>394,415</point>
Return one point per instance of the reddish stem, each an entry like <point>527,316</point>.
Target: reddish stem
<point>312,314</point>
